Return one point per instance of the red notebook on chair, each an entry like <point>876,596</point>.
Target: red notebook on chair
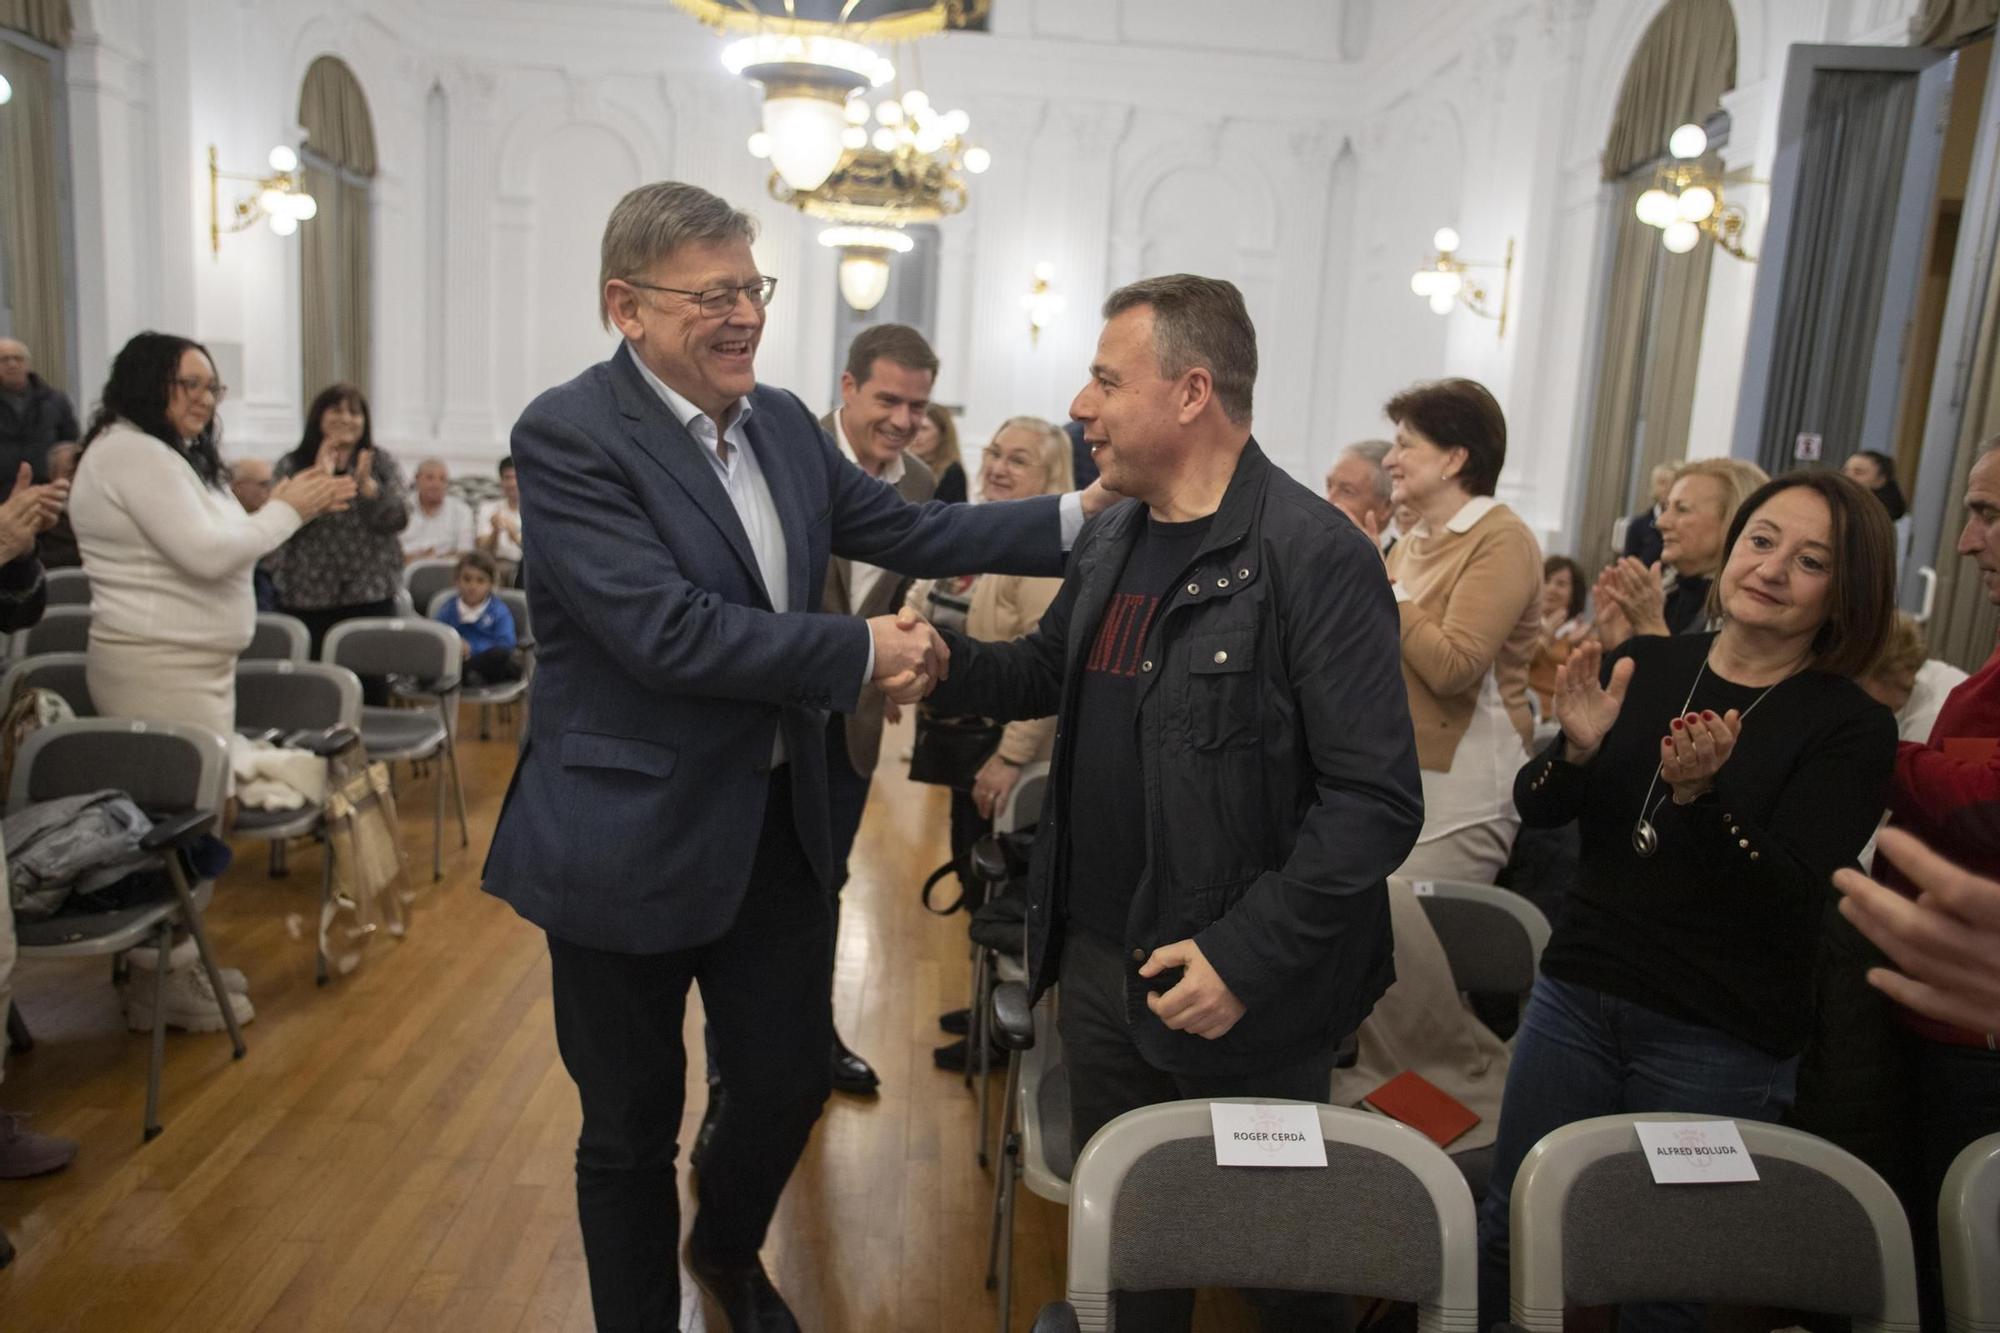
<point>1423,1106</point>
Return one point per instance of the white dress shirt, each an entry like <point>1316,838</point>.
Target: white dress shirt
<point>862,579</point>
<point>507,542</point>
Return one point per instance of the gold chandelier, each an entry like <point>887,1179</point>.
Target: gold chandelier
<point>859,20</point>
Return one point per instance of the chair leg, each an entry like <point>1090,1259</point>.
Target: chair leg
<point>486,722</point>
<point>972,1017</point>
<point>457,782</point>
<point>1000,1239</point>
<point>191,917</point>
<point>19,1039</point>
<point>163,943</point>
<point>437,829</point>
<point>278,867</point>
<point>325,902</point>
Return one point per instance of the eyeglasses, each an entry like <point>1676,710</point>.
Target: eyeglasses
<point>190,385</point>
<point>993,454</point>
<point>719,300</point>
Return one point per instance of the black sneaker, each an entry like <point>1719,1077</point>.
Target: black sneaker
<point>958,1022</point>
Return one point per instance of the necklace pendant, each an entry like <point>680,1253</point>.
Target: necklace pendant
<point>1644,840</point>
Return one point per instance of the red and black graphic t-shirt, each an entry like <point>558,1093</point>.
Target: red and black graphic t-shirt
<point>1107,814</point>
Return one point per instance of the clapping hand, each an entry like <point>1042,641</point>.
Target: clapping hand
<point>28,512</point>
<point>910,656</point>
<point>1695,749</point>
<point>1637,590</point>
<point>1584,707</point>
<point>1946,943</point>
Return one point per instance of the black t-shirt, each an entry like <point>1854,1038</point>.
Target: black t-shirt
<point>1107,802</point>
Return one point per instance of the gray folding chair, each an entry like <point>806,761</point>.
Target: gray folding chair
<point>316,707</point>
<point>1493,940</point>
<point>426,656</point>
<point>62,629</point>
<point>506,693</point>
<point>278,638</point>
<point>1389,1217</point>
<point>179,775</point>
<point>59,673</point>
<point>1817,1230</point>
<point>995,959</point>
<point>425,579</point>
<point>67,587</point>
<point>1969,1238</point>
<point>1035,1147</point>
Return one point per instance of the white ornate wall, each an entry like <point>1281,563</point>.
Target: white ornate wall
<point>1306,150</point>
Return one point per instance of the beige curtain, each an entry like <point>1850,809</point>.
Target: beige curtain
<point>30,215</point>
<point>44,20</point>
<point>336,254</point>
<point>1949,22</point>
<point>1684,64</point>
<point>1654,301</point>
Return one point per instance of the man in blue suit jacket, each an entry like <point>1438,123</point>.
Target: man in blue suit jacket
<point>668,823</point>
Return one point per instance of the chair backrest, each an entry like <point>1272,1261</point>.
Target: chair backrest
<point>1023,806</point>
<point>296,696</point>
<point>163,766</point>
<point>1389,1216</point>
<point>62,673</point>
<point>1969,1238</point>
<point>1818,1230</point>
<point>278,638</point>
<point>1492,937</point>
<point>425,579</point>
<point>68,587</point>
<point>395,646</point>
<point>62,629</point>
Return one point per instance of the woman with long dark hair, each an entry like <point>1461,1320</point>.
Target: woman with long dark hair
<point>1718,779</point>
<point>350,563</point>
<point>170,550</point>
<point>1875,472</point>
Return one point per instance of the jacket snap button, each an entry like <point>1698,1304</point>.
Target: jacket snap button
<point>1221,657</point>
<point>1194,589</point>
<point>1222,583</point>
<point>1138,955</point>
<point>1242,573</point>
<point>1146,665</point>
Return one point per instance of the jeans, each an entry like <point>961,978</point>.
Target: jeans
<point>1581,1053</point>
<point>618,1020</point>
<point>1108,1077</point>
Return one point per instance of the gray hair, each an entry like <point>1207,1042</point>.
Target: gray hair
<point>1198,322</point>
<point>1374,452</point>
<point>653,221</point>
<point>438,463</point>
<point>1058,462</point>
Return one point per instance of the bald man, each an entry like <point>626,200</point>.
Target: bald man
<point>33,414</point>
<point>250,479</point>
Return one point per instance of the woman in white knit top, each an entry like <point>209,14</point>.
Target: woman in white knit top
<point>168,548</point>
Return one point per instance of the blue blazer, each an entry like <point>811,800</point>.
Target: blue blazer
<point>664,674</point>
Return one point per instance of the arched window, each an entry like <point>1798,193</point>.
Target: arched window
<point>1652,301</point>
<point>37,287</point>
<point>336,311</point>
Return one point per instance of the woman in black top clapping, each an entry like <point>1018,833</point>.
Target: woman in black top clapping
<point>1719,780</point>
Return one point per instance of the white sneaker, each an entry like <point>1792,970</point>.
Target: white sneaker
<point>190,1002</point>
<point>184,955</point>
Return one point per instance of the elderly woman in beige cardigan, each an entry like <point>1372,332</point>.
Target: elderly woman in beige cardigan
<point>1469,582</point>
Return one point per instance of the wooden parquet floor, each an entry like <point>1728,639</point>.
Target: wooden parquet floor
<point>395,1152</point>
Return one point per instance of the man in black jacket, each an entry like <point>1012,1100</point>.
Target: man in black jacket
<point>1233,746</point>
<point>34,415</point>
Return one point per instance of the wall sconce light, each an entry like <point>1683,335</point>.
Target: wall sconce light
<point>6,91</point>
<point>864,261</point>
<point>1444,279</point>
<point>1043,302</point>
<point>1686,200</point>
<point>279,198</point>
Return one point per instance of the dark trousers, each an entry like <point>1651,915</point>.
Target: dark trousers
<point>493,666</point>
<point>1108,1077</point>
<point>1582,1053</point>
<point>1957,1100</point>
<point>618,1025</point>
<point>847,798</point>
<point>318,620</point>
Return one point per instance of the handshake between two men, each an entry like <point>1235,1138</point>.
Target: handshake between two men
<point>910,656</point>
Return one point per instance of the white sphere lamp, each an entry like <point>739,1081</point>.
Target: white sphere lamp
<point>1680,237</point>
<point>1688,142</point>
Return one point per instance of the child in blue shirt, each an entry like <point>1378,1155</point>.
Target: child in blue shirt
<point>485,626</point>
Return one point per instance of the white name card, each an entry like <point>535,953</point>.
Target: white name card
<point>1695,1152</point>
<point>1255,1134</point>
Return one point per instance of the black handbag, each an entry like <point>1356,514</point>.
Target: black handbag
<point>949,751</point>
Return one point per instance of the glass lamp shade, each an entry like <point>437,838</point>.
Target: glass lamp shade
<point>1696,203</point>
<point>1446,239</point>
<point>1681,237</point>
<point>864,278</point>
<point>284,160</point>
<point>6,91</point>
<point>272,201</point>
<point>805,138</point>
<point>283,224</point>
<point>977,160</point>
<point>1447,285</point>
<point>1420,281</point>
<point>1440,303</point>
<point>1688,142</point>
<point>304,207</point>
<point>1656,208</point>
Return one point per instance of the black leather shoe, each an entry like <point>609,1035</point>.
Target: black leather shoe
<point>744,1295</point>
<point>958,1022</point>
<point>952,1057</point>
<point>718,1102</point>
<point>850,1072</point>
<point>6,1250</point>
